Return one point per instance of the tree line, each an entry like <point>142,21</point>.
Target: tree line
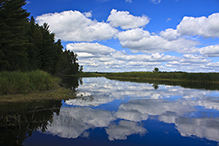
<point>27,46</point>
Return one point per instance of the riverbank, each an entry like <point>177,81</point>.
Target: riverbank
<point>56,94</point>
<point>207,81</point>
<point>31,86</point>
<point>167,76</point>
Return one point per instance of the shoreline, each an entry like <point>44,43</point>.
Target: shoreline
<point>55,94</point>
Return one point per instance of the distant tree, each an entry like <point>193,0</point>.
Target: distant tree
<point>156,70</point>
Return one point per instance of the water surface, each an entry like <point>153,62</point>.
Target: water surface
<point>109,112</point>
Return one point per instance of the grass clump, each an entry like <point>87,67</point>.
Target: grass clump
<point>19,82</point>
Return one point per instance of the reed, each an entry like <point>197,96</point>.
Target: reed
<point>25,82</point>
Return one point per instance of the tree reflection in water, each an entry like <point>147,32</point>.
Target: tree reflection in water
<point>122,111</point>
<point>18,121</point>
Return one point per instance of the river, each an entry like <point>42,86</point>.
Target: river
<point>110,112</point>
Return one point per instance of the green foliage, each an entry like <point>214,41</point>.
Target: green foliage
<point>18,82</point>
<point>156,70</point>
<point>13,37</point>
<point>26,46</point>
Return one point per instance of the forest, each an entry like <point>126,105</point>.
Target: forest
<point>26,46</point>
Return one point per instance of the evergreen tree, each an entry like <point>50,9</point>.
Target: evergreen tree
<point>13,37</point>
<point>33,51</point>
<point>69,63</point>
<point>24,45</point>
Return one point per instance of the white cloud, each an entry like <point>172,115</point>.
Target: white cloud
<point>126,20</point>
<point>88,14</point>
<point>156,1</point>
<point>128,1</point>
<point>75,26</point>
<point>169,34</point>
<point>92,48</point>
<point>190,63</point>
<point>210,51</point>
<point>203,26</point>
<point>156,57</point>
<point>143,42</point>
<point>133,35</point>
<point>102,58</point>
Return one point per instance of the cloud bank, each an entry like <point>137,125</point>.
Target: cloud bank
<point>128,31</point>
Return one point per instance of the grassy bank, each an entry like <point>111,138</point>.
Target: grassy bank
<point>31,86</point>
<point>18,82</point>
<point>208,81</point>
<point>89,74</point>
<point>168,76</point>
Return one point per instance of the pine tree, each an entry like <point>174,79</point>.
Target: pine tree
<point>24,45</point>
<point>33,51</point>
<point>13,37</point>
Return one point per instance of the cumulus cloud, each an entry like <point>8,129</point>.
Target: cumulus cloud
<point>133,35</point>
<point>144,42</point>
<point>210,51</point>
<point>92,48</point>
<point>125,20</point>
<point>190,63</point>
<point>97,56</point>
<point>203,26</point>
<point>75,26</point>
<point>169,34</point>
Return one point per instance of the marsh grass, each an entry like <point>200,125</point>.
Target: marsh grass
<point>19,82</point>
<point>169,76</point>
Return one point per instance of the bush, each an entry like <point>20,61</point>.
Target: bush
<point>18,82</point>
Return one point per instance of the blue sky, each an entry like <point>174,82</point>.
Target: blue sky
<point>135,35</point>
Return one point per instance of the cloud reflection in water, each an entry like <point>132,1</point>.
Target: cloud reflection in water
<point>171,104</point>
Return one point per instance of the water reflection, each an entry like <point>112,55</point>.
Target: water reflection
<point>121,110</point>
<point>194,112</point>
<point>73,122</point>
<point>123,129</point>
<point>18,121</point>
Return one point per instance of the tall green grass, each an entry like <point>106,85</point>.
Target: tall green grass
<point>19,82</point>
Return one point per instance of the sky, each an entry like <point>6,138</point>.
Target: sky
<point>135,35</point>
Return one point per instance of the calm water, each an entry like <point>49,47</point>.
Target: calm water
<point>109,112</point>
